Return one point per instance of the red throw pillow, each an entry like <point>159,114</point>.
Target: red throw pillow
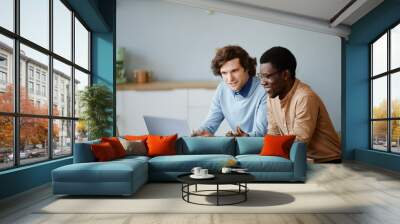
<point>116,145</point>
<point>103,151</point>
<point>136,137</point>
<point>161,145</point>
<point>277,145</point>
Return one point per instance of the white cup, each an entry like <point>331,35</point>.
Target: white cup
<point>203,172</point>
<point>196,170</point>
<point>226,170</point>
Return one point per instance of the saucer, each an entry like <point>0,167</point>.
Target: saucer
<point>208,176</point>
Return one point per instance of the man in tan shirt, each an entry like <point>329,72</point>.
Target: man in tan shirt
<point>295,109</point>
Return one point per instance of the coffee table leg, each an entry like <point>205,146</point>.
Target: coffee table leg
<point>217,194</point>
<point>245,193</point>
<point>188,189</point>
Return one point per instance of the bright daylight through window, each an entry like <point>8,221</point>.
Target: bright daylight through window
<point>385,91</point>
<point>44,64</point>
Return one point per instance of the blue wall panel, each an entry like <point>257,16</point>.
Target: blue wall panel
<point>24,178</point>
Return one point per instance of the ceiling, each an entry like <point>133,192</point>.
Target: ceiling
<point>319,9</point>
<point>333,17</point>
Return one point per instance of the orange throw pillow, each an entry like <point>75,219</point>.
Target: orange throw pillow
<point>116,145</point>
<point>277,145</point>
<point>136,137</point>
<point>103,151</point>
<point>161,145</point>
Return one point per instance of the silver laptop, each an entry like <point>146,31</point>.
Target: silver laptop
<point>166,126</point>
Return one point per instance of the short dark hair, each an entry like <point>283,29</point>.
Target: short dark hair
<point>231,52</point>
<point>281,58</point>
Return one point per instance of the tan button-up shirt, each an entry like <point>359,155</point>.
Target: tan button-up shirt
<point>302,113</point>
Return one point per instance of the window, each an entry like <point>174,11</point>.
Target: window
<point>45,131</point>
<point>37,74</point>
<point>34,21</point>
<point>62,75</point>
<point>3,78</point>
<point>3,71</point>
<point>62,29</point>
<point>7,14</point>
<point>43,77</point>
<point>81,45</point>
<point>30,88</point>
<point>37,89</point>
<point>30,72</point>
<point>6,143</point>
<point>3,61</point>
<point>385,94</point>
<point>43,90</point>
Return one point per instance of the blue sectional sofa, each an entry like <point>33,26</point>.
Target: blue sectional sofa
<point>125,176</point>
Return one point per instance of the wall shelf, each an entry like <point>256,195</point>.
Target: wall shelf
<point>167,85</point>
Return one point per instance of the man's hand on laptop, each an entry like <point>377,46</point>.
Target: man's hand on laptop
<point>201,133</point>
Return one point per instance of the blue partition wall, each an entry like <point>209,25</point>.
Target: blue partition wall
<point>100,16</point>
<point>356,86</point>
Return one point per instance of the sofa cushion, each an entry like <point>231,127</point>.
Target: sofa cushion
<point>116,145</point>
<point>161,145</point>
<point>136,137</point>
<point>249,145</point>
<point>134,147</point>
<point>206,145</point>
<point>185,163</point>
<point>257,163</point>
<point>277,145</point>
<point>103,152</point>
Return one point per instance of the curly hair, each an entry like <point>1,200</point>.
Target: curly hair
<point>231,52</point>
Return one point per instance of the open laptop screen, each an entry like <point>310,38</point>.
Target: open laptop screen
<point>166,126</point>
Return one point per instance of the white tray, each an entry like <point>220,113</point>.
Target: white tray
<point>208,176</point>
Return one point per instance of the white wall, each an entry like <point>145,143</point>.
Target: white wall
<point>177,42</point>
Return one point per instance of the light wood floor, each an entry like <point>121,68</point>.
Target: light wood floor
<point>377,188</point>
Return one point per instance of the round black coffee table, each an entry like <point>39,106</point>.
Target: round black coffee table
<point>238,179</point>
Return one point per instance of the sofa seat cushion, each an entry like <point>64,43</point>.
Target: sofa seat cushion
<point>111,171</point>
<point>257,163</point>
<point>185,163</point>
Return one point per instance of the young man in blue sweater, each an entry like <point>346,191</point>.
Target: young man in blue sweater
<point>240,99</point>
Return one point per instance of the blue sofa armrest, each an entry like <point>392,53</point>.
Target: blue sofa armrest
<point>298,155</point>
<point>83,152</point>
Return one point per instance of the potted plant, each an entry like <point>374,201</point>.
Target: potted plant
<point>96,102</point>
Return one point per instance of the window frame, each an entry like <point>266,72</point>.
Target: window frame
<point>16,114</point>
<point>388,74</point>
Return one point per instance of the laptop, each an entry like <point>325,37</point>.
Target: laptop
<point>166,126</point>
